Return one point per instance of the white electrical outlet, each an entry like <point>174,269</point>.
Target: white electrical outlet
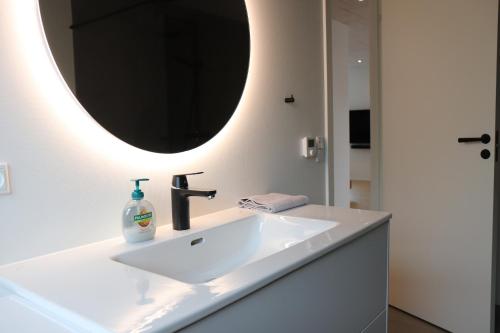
<point>4,179</point>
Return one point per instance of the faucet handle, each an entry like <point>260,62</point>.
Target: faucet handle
<point>180,181</point>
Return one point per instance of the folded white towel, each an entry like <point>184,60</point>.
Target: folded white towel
<point>273,202</point>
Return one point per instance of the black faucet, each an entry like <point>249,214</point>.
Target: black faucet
<point>180,200</point>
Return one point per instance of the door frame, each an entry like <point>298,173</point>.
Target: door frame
<point>495,288</point>
<point>375,108</point>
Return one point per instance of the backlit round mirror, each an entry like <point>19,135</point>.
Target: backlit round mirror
<point>162,75</point>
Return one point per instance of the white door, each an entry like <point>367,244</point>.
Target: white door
<point>438,81</point>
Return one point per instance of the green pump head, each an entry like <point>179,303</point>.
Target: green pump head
<point>138,194</point>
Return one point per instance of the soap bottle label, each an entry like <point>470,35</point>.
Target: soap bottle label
<point>143,219</point>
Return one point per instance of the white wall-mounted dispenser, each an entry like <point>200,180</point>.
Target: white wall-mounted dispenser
<point>308,147</point>
<point>313,147</point>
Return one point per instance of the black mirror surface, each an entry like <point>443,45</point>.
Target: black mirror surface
<point>162,75</point>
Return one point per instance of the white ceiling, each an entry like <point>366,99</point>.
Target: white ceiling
<point>356,15</point>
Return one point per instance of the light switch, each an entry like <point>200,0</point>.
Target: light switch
<point>4,178</point>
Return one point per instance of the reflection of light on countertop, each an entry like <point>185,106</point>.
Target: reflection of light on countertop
<point>142,318</point>
<point>221,285</point>
<point>143,288</point>
<point>148,320</point>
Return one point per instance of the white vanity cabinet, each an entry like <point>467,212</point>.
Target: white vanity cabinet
<point>315,269</point>
<point>343,291</point>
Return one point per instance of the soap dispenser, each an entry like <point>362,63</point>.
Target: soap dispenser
<point>139,218</point>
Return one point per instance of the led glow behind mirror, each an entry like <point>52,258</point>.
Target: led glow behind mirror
<point>162,75</point>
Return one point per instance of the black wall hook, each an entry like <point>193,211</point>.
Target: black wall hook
<point>290,99</point>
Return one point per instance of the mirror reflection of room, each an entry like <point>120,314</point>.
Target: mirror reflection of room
<point>351,71</point>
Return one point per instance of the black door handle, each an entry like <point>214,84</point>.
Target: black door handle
<point>485,138</point>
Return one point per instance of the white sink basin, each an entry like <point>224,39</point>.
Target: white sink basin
<point>208,254</point>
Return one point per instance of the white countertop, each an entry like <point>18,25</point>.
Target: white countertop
<point>83,290</point>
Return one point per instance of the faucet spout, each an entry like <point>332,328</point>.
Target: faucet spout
<point>192,192</point>
<point>180,201</point>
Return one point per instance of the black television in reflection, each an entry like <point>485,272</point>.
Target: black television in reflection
<point>359,129</point>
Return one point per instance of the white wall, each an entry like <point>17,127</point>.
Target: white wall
<point>70,178</point>
<point>340,103</point>
<point>359,86</point>
<point>360,164</point>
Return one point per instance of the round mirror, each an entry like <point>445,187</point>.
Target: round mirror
<point>162,75</point>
